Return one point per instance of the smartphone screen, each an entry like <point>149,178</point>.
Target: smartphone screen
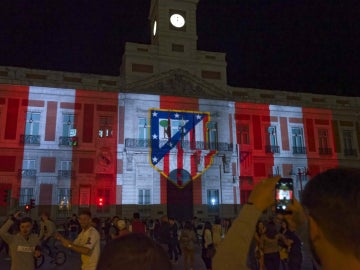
<point>284,195</point>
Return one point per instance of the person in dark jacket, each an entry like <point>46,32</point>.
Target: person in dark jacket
<point>173,241</point>
<point>164,233</point>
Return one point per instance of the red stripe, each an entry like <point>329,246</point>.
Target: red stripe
<point>51,114</point>
<point>177,103</point>
<point>316,164</point>
<point>163,186</point>
<point>93,105</point>
<point>260,115</point>
<point>11,161</point>
<point>180,160</point>
<point>88,123</point>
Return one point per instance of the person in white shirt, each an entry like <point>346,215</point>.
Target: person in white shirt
<point>87,243</point>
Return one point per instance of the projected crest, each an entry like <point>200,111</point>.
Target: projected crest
<point>181,146</point>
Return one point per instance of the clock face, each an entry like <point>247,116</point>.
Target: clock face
<point>177,20</point>
<point>154,27</point>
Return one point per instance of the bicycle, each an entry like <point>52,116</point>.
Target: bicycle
<point>57,256</point>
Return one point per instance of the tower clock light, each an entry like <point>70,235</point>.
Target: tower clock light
<point>154,28</point>
<point>177,20</point>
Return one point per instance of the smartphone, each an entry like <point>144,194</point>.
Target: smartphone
<point>284,195</point>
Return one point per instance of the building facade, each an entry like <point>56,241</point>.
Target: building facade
<point>167,136</point>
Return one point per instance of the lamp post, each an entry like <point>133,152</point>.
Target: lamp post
<point>304,173</point>
<point>300,180</point>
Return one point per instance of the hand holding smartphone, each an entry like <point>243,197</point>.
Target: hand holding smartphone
<point>284,195</point>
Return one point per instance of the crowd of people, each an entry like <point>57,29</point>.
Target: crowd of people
<point>276,246</point>
<point>258,239</point>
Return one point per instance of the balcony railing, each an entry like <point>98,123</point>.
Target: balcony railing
<point>187,145</point>
<point>137,143</point>
<point>272,149</point>
<point>66,173</point>
<point>299,150</point>
<point>30,139</point>
<point>325,151</point>
<point>27,173</point>
<point>68,141</point>
<point>350,152</point>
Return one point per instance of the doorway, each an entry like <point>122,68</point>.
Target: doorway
<point>180,201</point>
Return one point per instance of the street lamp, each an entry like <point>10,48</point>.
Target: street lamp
<point>302,174</point>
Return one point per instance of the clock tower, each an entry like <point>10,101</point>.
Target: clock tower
<point>173,46</point>
<point>173,26</point>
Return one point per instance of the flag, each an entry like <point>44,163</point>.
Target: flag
<point>173,156</point>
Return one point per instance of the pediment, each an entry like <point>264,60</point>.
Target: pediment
<point>177,82</point>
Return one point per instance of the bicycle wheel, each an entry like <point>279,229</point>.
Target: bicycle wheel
<point>39,261</point>
<point>60,258</point>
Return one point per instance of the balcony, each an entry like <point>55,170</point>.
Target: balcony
<point>29,173</point>
<point>137,143</point>
<point>350,152</point>
<point>299,150</point>
<point>66,173</point>
<point>325,151</point>
<point>186,145</point>
<point>68,141</point>
<point>272,149</point>
<point>30,139</point>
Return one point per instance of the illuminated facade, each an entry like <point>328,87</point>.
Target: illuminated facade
<point>166,136</point>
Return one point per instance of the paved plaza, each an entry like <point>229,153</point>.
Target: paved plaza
<point>73,262</point>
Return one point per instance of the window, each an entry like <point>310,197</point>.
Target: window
<point>275,171</point>
<point>348,143</point>
<point>69,129</point>
<point>69,133</point>
<point>65,168</point>
<point>105,127</point>
<point>28,164</point>
<point>213,201</point>
<point>271,141</point>
<point>25,195</point>
<point>323,138</point>
<point>297,140</point>
<point>32,126</point>
<point>144,196</point>
<point>66,165</point>
<point>243,134</point>
<point>64,199</point>
<point>272,136</point>
<point>143,129</point>
<point>212,135</point>
<point>323,142</point>
<point>28,168</point>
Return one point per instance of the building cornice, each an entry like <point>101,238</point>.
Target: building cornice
<point>176,82</point>
<point>58,79</point>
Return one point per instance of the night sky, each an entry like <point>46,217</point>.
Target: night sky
<point>303,46</point>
